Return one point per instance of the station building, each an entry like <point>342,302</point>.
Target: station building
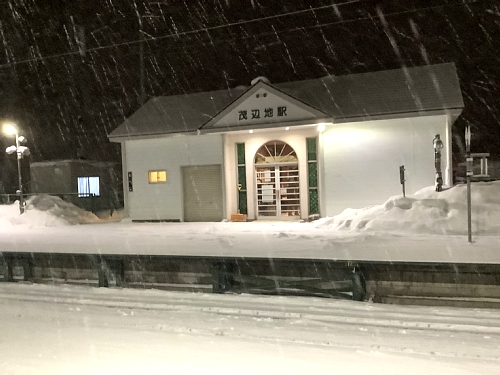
<point>290,150</point>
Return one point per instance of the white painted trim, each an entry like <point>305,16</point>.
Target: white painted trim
<point>453,112</point>
<point>223,182</point>
<point>321,173</point>
<point>211,124</point>
<point>449,154</point>
<point>266,127</point>
<point>125,179</point>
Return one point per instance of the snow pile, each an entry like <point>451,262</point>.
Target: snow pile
<point>427,212</point>
<point>46,211</point>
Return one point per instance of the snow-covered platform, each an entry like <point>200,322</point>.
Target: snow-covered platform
<point>249,240</point>
<point>428,227</point>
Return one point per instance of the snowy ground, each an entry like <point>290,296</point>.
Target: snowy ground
<point>426,227</point>
<point>77,330</point>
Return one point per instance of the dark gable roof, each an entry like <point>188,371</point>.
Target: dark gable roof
<point>176,114</point>
<point>388,92</point>
<point>351,97</point>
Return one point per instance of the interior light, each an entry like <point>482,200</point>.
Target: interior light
<point>250,131</point>
<point>287,128</point>
<point>321,127</point>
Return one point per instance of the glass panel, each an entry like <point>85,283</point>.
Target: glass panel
<point>157,176</point>
<point>94,185</point>
<point>289,193</point>
<point>152,176</point>
<point>240,150</point>
<point>242,178</point>
<point>83,186</point>
<point>242,202</point>
<point>311,149</point>
<point>162,176</point>
<point>266,192</point>
<point>313,174</point>
<point>88,186</point>
<point>313,201</point>
<point>275,152</point>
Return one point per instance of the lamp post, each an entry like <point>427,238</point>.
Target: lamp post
<point>438,146</point>
<point>21,151</point>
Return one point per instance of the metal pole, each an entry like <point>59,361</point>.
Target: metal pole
<point>19,175</point>
<point>402,178</point>
<point>469,213</point>
<point>469,175</point>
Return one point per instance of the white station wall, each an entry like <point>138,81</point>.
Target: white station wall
<point>361,160</point>
<point>164,201</point>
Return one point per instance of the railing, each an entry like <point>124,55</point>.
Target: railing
<point>299,277</point>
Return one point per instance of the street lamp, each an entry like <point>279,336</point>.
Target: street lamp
<point>21,151</point>
<point>438,146</point>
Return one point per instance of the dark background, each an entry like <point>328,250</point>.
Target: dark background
<point>70,70</point>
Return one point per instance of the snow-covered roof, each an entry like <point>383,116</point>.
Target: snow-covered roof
<point>405,92</point>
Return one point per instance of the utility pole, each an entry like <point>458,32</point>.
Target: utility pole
<point>470,172</point>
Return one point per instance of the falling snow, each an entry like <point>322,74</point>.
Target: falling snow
<point>71,72</point>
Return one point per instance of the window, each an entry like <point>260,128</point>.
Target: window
<point>88,186</point>
<point>275,152</point>
<point>156,177</point>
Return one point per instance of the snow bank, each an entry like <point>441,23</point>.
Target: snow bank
<point>46,211</point>
<point>427,212</point>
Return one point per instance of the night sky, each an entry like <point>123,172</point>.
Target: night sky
<point>70,71</point>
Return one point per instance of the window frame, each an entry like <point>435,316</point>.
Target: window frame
<point>89,188</point>
<point>157,171</point>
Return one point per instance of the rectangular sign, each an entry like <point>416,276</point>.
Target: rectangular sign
<point>130,184</point>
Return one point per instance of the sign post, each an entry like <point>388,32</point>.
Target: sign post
<point>469,175</point>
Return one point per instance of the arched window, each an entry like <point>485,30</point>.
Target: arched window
<point>275,152</point>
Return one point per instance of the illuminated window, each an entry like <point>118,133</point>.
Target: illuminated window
<point>88,186</point>
<point>157,177</point>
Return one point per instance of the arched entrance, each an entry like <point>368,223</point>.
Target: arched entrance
<point>277,180</point>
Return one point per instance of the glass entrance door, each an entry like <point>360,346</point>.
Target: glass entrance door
<point>278,193</point>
